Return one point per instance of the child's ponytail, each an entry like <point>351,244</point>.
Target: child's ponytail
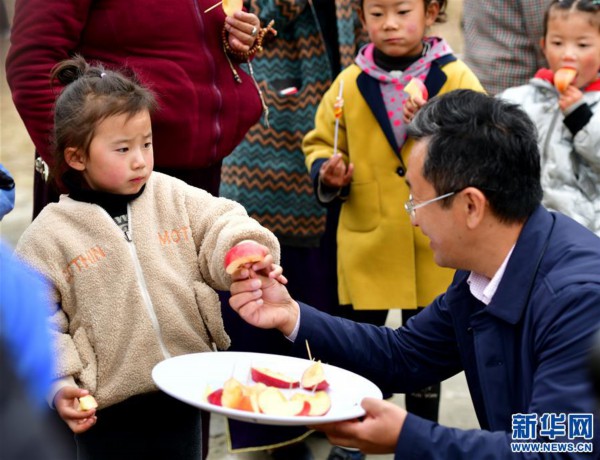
<point>91,93</point>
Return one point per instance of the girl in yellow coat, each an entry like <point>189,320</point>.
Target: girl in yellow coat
<point>383,261</point>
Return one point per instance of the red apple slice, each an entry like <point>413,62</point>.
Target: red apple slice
<point>563,78</point>
<point>245,252</point>
<point>320,402</point>
<point>232,393</point>
<point>214,397</point>
<point>313,378</point>
<point>416,87</point>
<point>273,378</point>
<point>87,403</point>
<point>273,402</point>
<point>231,6</point>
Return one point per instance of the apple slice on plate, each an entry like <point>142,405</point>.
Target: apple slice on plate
<point>563,78</point>
<point>415,88</point>
<point>249,401</point>
<point>232,393</point>
<point>272,378</point>
<point>231,6</point>
<point>273,402</point>
<point>245,252</point>
<point>320,402</point>
<point>214,397</point>
<point>313,378</point>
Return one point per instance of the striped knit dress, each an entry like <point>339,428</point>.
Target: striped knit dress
<point>266,173</point>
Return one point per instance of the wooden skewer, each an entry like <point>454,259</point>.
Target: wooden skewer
<point>308,349</point>
<point>212,7</point>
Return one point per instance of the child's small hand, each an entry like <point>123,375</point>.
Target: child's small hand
<point>570,96</point>
<point>335,173</point>
<point>411,107</point>
<point>66,403</point>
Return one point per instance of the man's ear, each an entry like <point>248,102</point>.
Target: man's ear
<point>75,158</point>
<point>475,205</point>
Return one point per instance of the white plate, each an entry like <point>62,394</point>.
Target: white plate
<point>188,377</point>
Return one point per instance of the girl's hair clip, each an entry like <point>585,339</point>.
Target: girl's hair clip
<point>102,74</point>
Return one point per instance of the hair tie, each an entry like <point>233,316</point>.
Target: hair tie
<point>102,74</point>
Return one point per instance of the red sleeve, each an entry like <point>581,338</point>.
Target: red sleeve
<point>44,32</point>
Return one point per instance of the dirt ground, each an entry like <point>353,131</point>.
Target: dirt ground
<point>16,153</point>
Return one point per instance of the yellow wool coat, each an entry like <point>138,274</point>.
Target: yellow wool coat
<point>383,261</point>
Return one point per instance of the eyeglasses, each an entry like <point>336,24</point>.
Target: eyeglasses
<point>411,207</point>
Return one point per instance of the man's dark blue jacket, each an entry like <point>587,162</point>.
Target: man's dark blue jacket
<point>524,353</point>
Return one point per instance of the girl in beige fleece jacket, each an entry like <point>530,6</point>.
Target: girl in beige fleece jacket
<point>134,258</point>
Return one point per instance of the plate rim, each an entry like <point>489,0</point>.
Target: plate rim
<point>254,417</point>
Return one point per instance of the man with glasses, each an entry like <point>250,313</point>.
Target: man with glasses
<point>518,319</point>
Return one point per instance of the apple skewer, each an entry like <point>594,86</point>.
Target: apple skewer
<point>337,112</point>
<point>308,349</point>
<point>210,8</point>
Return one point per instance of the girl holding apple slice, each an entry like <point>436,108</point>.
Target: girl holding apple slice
<point>564,102</point>
<point>134,259</point>
<point>383,262</point>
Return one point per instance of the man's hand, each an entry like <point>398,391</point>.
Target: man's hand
<point>263,301</point>
<point>334,172</point>
<point>377,433</point>
<point>66,403</point>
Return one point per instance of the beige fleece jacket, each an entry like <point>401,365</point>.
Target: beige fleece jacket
<point>122,306</point>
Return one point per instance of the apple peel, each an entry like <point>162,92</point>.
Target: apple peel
<point>415,88</point>
<point>320,402</point>
<point>563,78</point>
<point>273,378</point>
<point>246,252</point>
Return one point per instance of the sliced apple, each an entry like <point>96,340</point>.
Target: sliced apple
<point>563,78</point>
<point>273,378</point>
<point>245,252</point>
<point>249,401</point>
<point>87,403</point>
<point>231,6</point>
<point>313,378</point>
<point>232,393</point>
<point>320,402</point>
<point>415,88</point>
<point>273,402</point>
<point>214,397</point>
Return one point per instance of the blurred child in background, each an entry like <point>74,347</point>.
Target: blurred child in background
<point>383,261</point>
<point>568,117</point>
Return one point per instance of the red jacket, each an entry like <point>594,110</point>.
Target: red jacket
<point>175,49</point>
